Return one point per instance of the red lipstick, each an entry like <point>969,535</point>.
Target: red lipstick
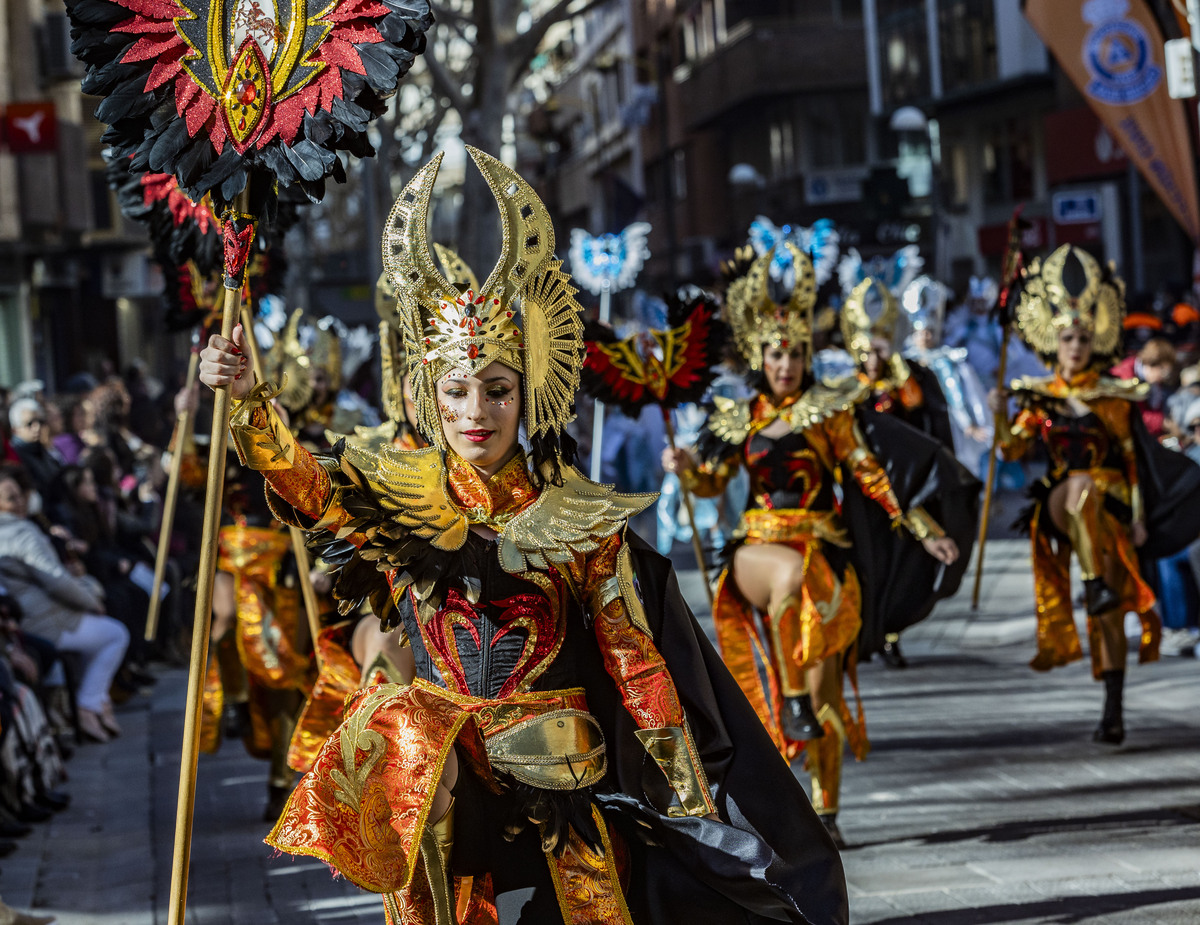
<point>478,436</point>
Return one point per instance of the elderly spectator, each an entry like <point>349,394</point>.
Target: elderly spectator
<point>65,608</point>
<point>27,418</point>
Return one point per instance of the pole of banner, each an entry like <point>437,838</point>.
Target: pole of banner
<point>1000,419</point>
<point>697,546</point>
<point>311,609</point>
<point>183,426</point>
<point>598,413</point>
<point>235,240</point>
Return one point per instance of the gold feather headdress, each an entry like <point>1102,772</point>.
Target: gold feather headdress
<point>870,311</point>
<point>758,321</point>
<point>525,314</point>
<point>1048,306</point>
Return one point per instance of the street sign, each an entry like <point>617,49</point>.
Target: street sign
<point>1076,208</point>
<point>1181,71</point>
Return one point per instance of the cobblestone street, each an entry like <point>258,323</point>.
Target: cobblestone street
<point>984,799</point>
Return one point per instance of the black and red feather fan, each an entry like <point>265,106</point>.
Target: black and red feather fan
<point>657,367</point>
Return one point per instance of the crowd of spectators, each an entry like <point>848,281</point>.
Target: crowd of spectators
<point>81,483</point>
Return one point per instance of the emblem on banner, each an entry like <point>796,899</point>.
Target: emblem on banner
<point>1118,55</point>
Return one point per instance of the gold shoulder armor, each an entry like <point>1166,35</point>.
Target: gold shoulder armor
<point>566,520</point>
<point>824,400</point>
<point>731,421</point>
<point>368,439</point>
<point>410,486</point>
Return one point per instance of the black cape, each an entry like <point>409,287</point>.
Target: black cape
<point>900,581</point>
<point>1170,484</point>
<point>933,416</point>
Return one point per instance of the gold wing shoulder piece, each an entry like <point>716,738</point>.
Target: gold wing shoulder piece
<point>366,439</point>
<point>566,521</point>
<point>731,421</point>
<point>823,401</point>
<point>410,489</point>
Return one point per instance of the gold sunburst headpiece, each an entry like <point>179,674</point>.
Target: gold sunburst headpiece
<point>758,321</point>
<point>525,315</point>
<point>870,311</point>
<point>1093,301</point>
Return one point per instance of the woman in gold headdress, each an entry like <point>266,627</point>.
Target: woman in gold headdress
<point>570,749</point>
<point>789,562</point>
<point>1091,500</point>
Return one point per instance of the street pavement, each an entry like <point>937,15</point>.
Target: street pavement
<point>984,799</point>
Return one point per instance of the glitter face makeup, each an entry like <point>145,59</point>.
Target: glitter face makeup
<point>449,415</point>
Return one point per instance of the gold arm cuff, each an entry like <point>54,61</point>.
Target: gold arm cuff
<point>674,750</point>
<point>921,525</point>
<point>602,594</point>
<point>1137,504</point>
<point>558,750</point>
<point>267,448</point>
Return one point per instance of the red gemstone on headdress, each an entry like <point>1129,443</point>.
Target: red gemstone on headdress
<point>783,345</point>
<point>249,93</point>
<point>472,351</point>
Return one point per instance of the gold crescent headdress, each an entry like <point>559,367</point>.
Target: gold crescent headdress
<point>1047,306</point>
<point>525,315</point>
<point>870,311</point>
<point>755,318</point>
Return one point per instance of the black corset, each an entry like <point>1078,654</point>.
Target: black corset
<point>786,472</point>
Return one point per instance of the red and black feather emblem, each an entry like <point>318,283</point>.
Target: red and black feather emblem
<point>212,91</point>
<point>657,367</point>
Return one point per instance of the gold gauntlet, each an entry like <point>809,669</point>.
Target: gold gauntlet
<point>673,750</point>
<point>1137,505</point>
<point>921,525</point>
<point>266,448</point>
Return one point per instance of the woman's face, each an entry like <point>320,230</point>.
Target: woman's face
<point>1074,351</point>
<point>784,370</point>
<point>924,339</point>
<point>12,499</point>
<point>481,415</point>
<point>876,362</point>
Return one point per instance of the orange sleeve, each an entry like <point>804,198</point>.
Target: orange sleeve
<point>1015,443</point>
<point>850,447</point>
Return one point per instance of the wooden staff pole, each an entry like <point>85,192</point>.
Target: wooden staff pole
<point>999,420</point>
<point>183,427</point>
<point>598,408</point>
<point>697,546</point>
<point>312,609</point>
<point>201,624</point>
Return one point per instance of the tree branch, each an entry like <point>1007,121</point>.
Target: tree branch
<point>444,85</point>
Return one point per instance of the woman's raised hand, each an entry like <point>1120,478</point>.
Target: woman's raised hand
<point>223,363</point>
<point>677,460</point>
<point>944,549</point>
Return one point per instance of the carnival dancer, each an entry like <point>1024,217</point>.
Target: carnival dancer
<point>571,748</point>
<point>1093,501</point>
<point>789,559</point>
<point>974,327</point>
<point>924,304</point>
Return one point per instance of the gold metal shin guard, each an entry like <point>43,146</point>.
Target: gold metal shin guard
<point>824,759</point>
<point>437,843</point>
<point>1083,528</point>
<point>796,644</point>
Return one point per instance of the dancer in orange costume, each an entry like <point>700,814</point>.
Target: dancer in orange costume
<point>571,749</point>
<point>1091,502</point>
<point>789,561</point>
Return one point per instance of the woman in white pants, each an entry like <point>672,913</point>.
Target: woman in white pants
<point>66,608</point>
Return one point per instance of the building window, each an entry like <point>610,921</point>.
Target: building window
<point>904,50</point>
<point>967,34</point>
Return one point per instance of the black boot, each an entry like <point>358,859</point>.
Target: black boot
<point>235,720</point>
<point>829,820</point>
<point>799,722</point>
<point>1098,597</point>
<point>1112,723</point>
<point>892,656</point>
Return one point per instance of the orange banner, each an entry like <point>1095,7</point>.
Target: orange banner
<point>1113,52</point>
